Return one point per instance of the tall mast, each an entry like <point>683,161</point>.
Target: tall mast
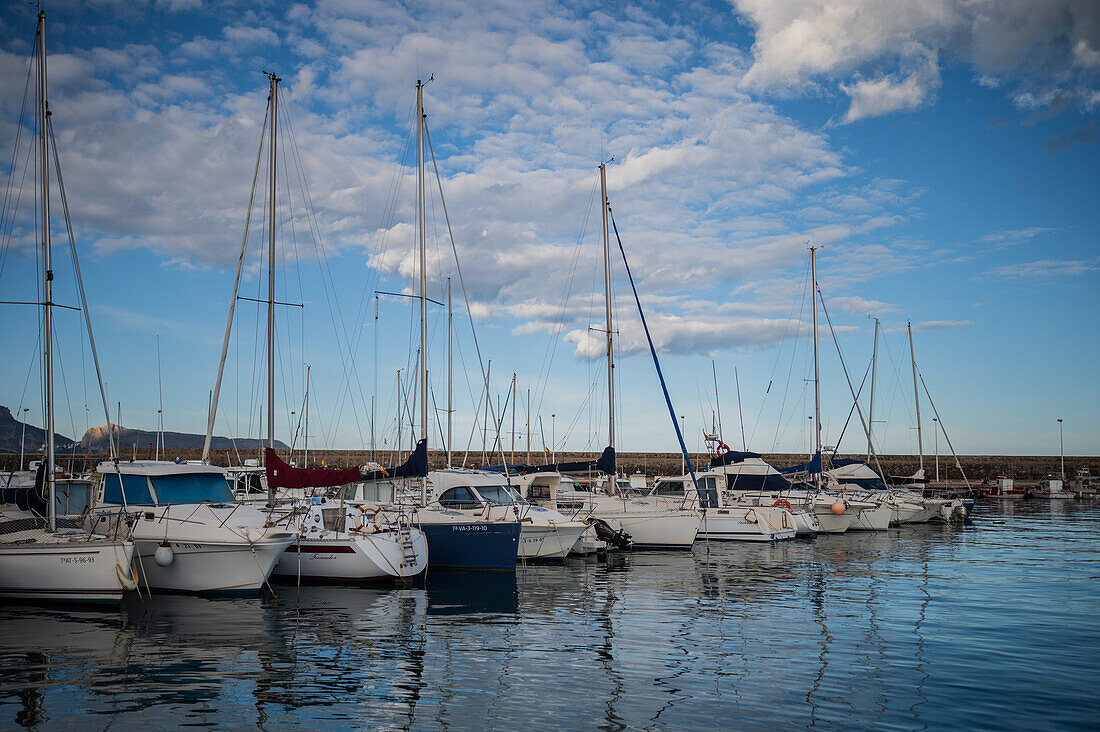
<point>450,369</point>
<point>528,426</point>
<point>305,458</point>
<point>273,141</point>
<point>817,373</point>
<point>423,278</point>
<point>513,455</point>
<point>871,406</point>
<point>374,394</point>
<point>47,268</point>
<point>607,306</point>
<point>916,396</point>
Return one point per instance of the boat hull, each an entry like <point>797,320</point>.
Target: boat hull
<point>377,556</point>
<point>210,566</point>
<point>472,545</point>
<point>84,571</point>
<point>745,524</point>
<point>871,519</point>
<point>549,541</point>
<point>656,530</point>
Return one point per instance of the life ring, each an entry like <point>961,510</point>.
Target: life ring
<point>722,449</point>
<point>785,503</point>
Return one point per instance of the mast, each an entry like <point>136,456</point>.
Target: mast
<point>450,370</point>
<point>305,458</point>
<point>871,406</point>
<point>740,414</point>
<point>47,269</point>
<point>400,412</point>
<point>607,307</point>
<point>160,408</point>
<point>273,141</point>
<point>423,278</point>
<point>374,394</point>
<point>717,400</point>
<point>916,396</point>
<point>513,455</point>
<point>528,426</point>
<point>817,373</point>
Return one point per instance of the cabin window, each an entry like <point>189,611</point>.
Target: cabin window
<point>459,497</point>
<point>132,489</point>
<point>72,498</point>
<point>192,488</point>
<point>538,492</point>
<point>669,488</point>
<point>708,490</point>
<point>497,494</point>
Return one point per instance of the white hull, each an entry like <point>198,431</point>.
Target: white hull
<point>368,557</point>
<point>747,524</point>
<point>911,513</point>
<point>805,523</point>
<point>830,522</point>
<point>589,543</point>
<point>870,519</point>
<point>80,571</point>
<point>210,566</point>
<point>655,529</point>
<point>549,541</point>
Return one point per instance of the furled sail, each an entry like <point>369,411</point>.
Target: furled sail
<point>605,463</point>
<point>281,475</point>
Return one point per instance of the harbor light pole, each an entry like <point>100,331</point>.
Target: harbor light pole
<point>683,431</point>
<point>553,438</point>
<point>936,426</point>
<point>23,438</point>
<point>1061,452</point>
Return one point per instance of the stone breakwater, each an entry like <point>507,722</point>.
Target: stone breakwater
<point>977,467</point>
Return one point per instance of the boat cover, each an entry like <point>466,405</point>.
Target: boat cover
<point>605,463</point>
<point>281,475</point>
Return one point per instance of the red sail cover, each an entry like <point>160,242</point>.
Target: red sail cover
<point>281,475</point>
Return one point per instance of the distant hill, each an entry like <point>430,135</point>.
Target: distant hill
<point>95,440</point>
<point>11,430</point>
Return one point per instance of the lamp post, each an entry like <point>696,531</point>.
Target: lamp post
<point>936,427</point>
<point>23,438</point>
<point>1061,453</point>
<point>683,431</point>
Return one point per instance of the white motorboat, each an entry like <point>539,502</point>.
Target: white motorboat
<point>627,514</point>
<point>1052,488</point>
<point>544,532</point>
<point>723,519</point>
<point>541,489</point>
<point>192,536</point>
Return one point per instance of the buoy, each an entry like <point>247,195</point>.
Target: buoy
<point>164,554</point>
<point>838,507</point>
<point>124,579</point>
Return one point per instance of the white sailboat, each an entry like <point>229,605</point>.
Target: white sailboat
<point>333,542</point>
<point>724,518</point>
<point>41,559</point>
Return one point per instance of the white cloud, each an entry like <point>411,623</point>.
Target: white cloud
<point>1045,268</point>
<point>867,47</point>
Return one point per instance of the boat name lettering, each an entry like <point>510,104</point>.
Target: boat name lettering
<point>469,527</point>
<point>77,560</point>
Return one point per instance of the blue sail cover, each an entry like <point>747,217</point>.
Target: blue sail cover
<point>731,457</point>
<point>605,463</point>
<point>813,467</point>
<point>415,467</point>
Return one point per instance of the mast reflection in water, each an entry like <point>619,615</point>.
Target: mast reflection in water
<point>926,626</point>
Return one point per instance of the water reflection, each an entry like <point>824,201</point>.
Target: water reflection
<point>896,629</point>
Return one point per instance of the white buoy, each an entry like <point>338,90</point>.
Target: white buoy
<point>164,554</point>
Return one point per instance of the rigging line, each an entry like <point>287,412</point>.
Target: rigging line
<point>790,369</point>
<point>552,342</point>
<point>328,286</point>
<point>653,352</point>
<point>943,429</point>
<point>800,303</point>
<point>297,270</point>
<point>836,446</point>
<point>79,279</point>
<point>385,223</point>
<point>847,377</point>
<point>462,282</point>
<point>14,156</point>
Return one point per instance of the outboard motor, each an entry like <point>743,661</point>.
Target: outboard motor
<point>604,532</point>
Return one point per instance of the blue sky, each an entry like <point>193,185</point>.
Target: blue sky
<point>942,155</point>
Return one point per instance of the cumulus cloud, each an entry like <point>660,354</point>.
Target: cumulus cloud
<point>867,47</point>
<point>1012,237</point>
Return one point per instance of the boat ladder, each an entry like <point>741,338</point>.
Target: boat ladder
<point>408,549</point>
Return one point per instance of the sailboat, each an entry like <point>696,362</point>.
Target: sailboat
<point>645,524</point>
<point>43,556</point>
<point>334,540</point>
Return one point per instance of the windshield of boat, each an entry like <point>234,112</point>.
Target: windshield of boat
<point>192,488</point>
<point>498,494</point>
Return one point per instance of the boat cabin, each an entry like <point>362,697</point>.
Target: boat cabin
<point>160,483</point>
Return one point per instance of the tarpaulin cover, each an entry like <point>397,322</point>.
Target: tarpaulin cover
<point>29,498</point>
<point>730,457</point>
<point>812,467</point>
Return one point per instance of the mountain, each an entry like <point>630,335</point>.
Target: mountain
<point>11,431</point>
<point>95,439</point>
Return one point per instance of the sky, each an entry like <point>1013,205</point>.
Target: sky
<point>941,156</point>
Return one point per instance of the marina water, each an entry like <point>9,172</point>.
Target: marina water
<point>991,626</point>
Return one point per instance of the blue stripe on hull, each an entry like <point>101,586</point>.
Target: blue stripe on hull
<point>472,546</point>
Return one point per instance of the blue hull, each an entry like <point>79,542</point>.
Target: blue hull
<point>482,546</point>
